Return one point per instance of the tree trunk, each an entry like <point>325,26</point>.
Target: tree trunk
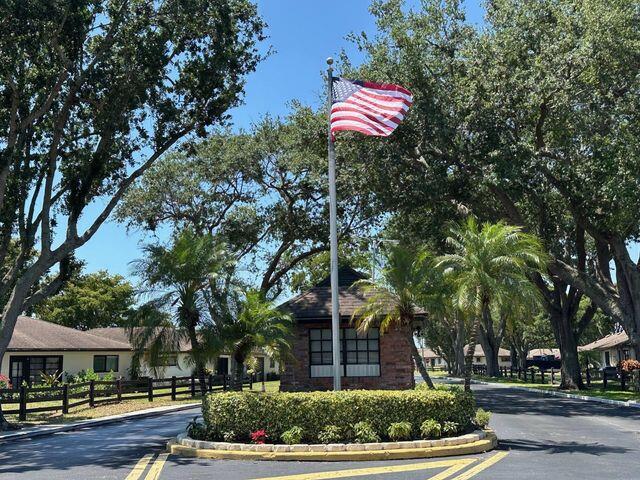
<point>237,372</point>
<point>198,354</point>
<point>460,340</point>
<point>570,373</point>
<point>490,353</point>
<point>419,362</point>
<point>471,348</point>
<point>489,341</point>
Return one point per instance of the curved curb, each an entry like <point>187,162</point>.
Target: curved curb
<point>480,446</point>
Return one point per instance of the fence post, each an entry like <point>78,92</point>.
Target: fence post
<point>22,415</point>
<point>92,393</point>
<point>210,382</point>
<point>533,375</point>
<point>224,381</point>
<point>553,377</point>
<point>604,380</point>
<point>193,385</point>
<point>623,380</point>
<point>251,382</point>
<point>150,389</point>
<point>173,387</point>
<point>119,389</point>
<point>65,398</point>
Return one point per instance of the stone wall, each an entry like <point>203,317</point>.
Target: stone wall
<point>396,364</point>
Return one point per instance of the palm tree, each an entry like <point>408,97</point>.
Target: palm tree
<point>393,296</point>
<point>179,278</point>
<point>490,264</point>
<point>258,325</point>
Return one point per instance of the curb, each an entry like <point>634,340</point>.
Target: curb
<point>480,446</point>
<point>41,431</point>
<point>555,393</point>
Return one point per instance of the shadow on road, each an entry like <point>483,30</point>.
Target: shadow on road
<point>513,402</point>
<point>560,447</point>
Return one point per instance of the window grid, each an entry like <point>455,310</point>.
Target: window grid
<point>359,349</point>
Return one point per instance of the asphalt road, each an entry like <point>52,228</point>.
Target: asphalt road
<point>543,437</point>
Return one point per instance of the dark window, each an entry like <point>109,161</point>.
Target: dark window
<point>105,363</point>
<point>607,359</point>
<point>30,368</point>
<point>361,349</point>
<point>358,349</point>
<point>320,347</point>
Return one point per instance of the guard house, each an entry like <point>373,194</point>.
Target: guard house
<point>368,361</point>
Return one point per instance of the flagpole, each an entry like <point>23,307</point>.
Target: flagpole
<point>333,234</point>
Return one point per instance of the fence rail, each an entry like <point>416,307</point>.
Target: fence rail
<point>99,392</point>
<point>617,379</point>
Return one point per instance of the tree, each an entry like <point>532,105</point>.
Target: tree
<point>258,324</point>
<point>90,300</point>
<point>491,264</point>
<point>392,298</point>
<point>92,94</point>
<point>179,278</point>
<point>263,192</point>
<point>531,120</point>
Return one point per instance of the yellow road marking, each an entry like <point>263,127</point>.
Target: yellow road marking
<point>139,468</point>
<point>481,466</point>
<point>454,466</point>
<point>156,468</point>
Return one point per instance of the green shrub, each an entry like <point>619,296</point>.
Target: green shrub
<point>482,418</point>
<point>229,436</point>
<point>292,436</point>
<point>430,428</point>
<point>277,412</point>
<point>331,434</point>
<point>363,432</point>
<point>196,430</point>
<point>449,429</point>
<point>399,431</point>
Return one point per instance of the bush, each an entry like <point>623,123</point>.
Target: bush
<point>399,431</point>
<point>430,428</point>
<point>482,418</point>
<point>292,436</point>
<point>277,412</point>
<point>330,434</point>
<point>449,429</point>
<point>363,432</point>
<point>197,430</point>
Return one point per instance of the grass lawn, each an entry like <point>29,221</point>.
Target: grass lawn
<point>128,405</point>
<point>594,391</point>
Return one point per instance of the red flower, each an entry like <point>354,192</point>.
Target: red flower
<point>4,380</point>
<point>259,436</point>
<point>630,365</point>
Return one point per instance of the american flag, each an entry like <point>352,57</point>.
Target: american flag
<point>369,108</point>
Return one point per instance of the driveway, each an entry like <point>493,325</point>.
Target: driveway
<point>540,437</point>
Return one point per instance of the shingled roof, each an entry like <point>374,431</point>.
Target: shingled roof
<point>315,303</point>
<point>35,334</point>
<point>119,334</point>
<point>614,340</point>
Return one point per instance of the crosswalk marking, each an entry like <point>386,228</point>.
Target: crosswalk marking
<point>453,467</point>
<point>156,468</point>
<point>481,466</point>
<point>139,468</point>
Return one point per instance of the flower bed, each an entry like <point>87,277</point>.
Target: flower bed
<point>356,416</point>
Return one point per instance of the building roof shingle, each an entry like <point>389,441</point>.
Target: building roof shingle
<point>35,334</point>
<point>613,340</point>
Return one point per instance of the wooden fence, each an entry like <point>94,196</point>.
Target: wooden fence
<point>97,392</point>
<point>610,380</point>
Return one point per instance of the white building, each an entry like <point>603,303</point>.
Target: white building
<point>434,360</point>
<point>613,348</point>
<point>38,347</point>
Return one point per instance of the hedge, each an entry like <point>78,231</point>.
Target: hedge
<point>244,412</point>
